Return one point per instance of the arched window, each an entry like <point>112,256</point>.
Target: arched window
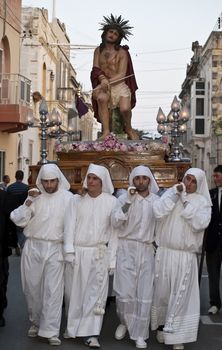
<point>4,69</point>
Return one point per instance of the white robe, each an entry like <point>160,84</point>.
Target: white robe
<point>133,278</point>
<point>94,242</point>
<point>42,266</point>
<point>176,302</point>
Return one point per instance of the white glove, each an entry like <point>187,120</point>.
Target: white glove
<point>179,188</point>
<point>69,258</point>
<point>180,191</point>
<point>131,194</point>
<point>99,310</point>
<point>33,194</point>
<point>29,200</point>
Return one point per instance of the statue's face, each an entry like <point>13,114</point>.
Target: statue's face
<point>112,36</point>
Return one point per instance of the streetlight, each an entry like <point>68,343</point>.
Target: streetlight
<point>174,125</point>
<point>46,121</point>
<point>71,134</point>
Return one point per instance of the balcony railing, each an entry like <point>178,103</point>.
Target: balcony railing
<point>66,94</point>
<point>14,89</point>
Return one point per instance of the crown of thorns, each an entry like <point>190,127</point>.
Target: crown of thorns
<point>118,23</point>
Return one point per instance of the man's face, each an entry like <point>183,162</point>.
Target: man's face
<point>217,179</point>
<point>141,183</point>
<point>112,36</point>
<point>190,183</point>
<point>7,180</point>
<point>50,186</point>
<point>94,185</point>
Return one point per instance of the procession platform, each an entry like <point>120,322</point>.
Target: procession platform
<point>119,157</point>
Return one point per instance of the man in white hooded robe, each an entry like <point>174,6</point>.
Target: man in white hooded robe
<point>42,264</point>
<point>90,247</point>
<point>133,278</point>
<point>182,213</point>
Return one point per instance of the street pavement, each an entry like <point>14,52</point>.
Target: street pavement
<point>14,335</point>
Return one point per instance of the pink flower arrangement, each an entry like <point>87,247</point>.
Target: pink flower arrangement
<point>111,143</point>
<point>123,147</point>
<point>139,148</point>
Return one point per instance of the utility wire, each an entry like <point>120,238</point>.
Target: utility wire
<point>161,51</point>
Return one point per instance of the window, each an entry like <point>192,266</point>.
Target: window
<point>61,74</point>
<point>199,106</point>
<point>2,164</point>
<point>28,92</point>
<point>22,90</point>
<point>30,151</point>
<point>208,99</point>
<point>214,75</point>
<point>200,88</point>
<point>214,64</point>
<point>1,63</point>
<point>5,89</point>
<point>199,126</point>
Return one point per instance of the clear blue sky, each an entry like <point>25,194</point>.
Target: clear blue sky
<point>160,46</point>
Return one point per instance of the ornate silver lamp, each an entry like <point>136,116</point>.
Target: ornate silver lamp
<point>66,136</point>
<point>46,121</point>
<point>174,125</point>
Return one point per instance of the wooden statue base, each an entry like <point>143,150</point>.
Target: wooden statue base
<point>74,165</point>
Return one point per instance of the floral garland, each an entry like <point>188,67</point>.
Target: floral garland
<point>111,143</point>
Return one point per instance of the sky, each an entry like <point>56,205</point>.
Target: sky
<point>160,47</point>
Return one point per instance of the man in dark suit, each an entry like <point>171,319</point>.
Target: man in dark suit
<point>214,243</point>
<point>17,194</point>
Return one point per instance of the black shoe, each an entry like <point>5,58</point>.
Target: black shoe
<point>2,321</point>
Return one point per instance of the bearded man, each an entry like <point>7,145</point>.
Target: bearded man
<point>134,219</point>
<point>112,76</point>
<point>42,265</point>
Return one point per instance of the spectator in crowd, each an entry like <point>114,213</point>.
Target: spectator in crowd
<point>214,243</point>
<point>18,192</point>
<point>4,184</point>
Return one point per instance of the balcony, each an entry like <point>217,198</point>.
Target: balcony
<point>14,102</point>
<point>66,95</point>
